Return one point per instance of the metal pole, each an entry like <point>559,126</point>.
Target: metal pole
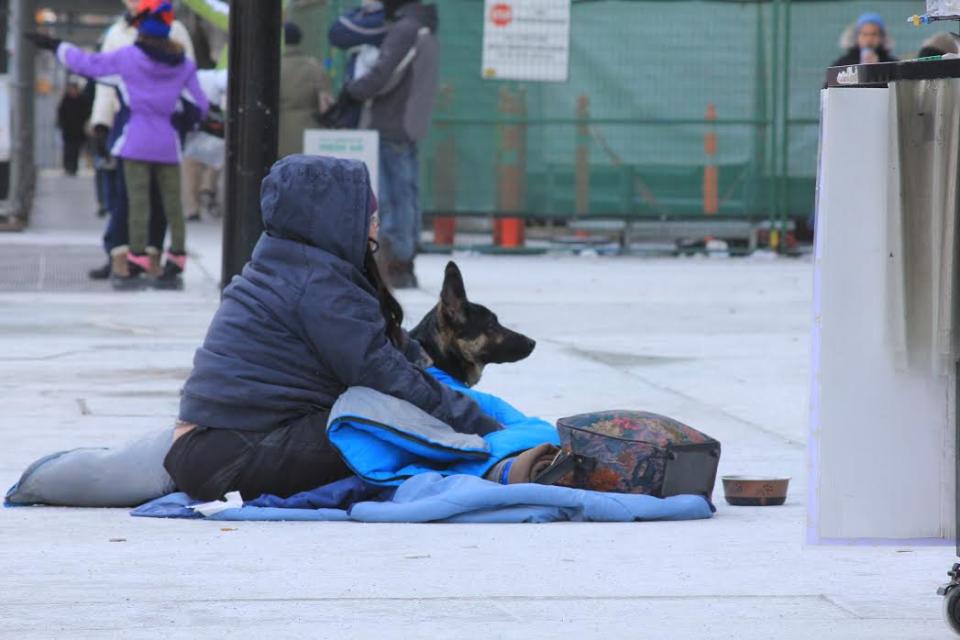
<point>253,95</point>
<point>775,70</point>
<point>784,190</point>
<point>22,169</point>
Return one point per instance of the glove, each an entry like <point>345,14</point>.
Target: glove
<point>43,41</point>
<point>213,127</point>
<point>100,133</point>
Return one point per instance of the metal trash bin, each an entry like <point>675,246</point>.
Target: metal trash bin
<point>886,302</point>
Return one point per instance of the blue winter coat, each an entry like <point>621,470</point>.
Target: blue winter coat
<point>302,323</point>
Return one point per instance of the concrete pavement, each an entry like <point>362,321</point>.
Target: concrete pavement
<point>719,343</point>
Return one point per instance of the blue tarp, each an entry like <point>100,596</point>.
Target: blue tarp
<point>431,497</point>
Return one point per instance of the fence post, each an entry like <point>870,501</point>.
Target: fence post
<point>508,232</point>
<point>445,174</point>
<point>582,158</point>
<point>711,187</point>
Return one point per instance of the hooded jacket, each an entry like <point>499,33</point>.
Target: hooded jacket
<point>302,323</point>
<point>151,83</point>
<point>403,101</point>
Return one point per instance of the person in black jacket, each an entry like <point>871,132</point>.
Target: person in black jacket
<point>866,42</point>
<point>308,317</point>
<point>72,114</point>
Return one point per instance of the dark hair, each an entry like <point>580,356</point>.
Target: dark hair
<point>166,45</point>
<point>389,307</point>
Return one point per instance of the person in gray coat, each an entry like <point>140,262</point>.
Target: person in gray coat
<point>400,90</point>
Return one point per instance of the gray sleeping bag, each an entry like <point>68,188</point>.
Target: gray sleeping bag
<point>125,476</point>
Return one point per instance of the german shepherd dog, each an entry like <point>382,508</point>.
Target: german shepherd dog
<point>463,337</point>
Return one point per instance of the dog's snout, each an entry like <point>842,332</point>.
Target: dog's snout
<point>529,345</point>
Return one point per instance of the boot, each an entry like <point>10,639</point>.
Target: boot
<point>134,279</point>
<point>155,269</point>
<point>172,277</point>
<point>101,273</point>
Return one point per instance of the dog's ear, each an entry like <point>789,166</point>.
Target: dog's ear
<point>453,296</point>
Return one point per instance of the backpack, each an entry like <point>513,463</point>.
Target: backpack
<point>633,452</point>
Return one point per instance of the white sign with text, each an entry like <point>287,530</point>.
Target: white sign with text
<point>526,40</point>
<point>350,144</point>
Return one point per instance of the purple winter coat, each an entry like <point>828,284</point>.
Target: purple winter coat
<point>151,88</point>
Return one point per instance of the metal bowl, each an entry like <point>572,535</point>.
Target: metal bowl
<point>755,491</point>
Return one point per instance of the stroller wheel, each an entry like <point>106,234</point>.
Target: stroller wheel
<point>951,609</point>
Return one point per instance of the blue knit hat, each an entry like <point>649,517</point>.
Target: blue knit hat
<point>871,18</point>
<point>155,18</point>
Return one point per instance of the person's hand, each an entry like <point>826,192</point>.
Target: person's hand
<point>868,56</point>
<point>42,40</point>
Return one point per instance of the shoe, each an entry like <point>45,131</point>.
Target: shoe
<point>209,204</point>
<point>193,217</point>
<point>101,273</point>
<point>172,277</point>
<point>135,279</point>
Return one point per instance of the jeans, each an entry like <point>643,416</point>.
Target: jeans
<point>209,463</point>
<point>117,233</point>
<point>105,191</point>
<point>139,177</point>
<point>399,199</point>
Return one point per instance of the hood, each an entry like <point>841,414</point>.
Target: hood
<point>320,201</point>
<point>424,14</point>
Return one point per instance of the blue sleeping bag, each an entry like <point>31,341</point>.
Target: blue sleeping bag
<point>385,440</point>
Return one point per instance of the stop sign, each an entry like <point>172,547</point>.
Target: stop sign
<point>501,14</point>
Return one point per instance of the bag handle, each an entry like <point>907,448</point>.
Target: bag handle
<point>563,465</point>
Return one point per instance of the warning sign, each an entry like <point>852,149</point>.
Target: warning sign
<point>526,40</point>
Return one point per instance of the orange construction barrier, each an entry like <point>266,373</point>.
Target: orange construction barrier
<point>444,229</point>
<point>711,177</point>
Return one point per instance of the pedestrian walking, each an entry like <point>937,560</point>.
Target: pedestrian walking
<point>72,114</point>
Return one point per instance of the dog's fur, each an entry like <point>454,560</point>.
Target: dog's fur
<point>463,337</point>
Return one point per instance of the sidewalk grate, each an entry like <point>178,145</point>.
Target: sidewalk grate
<point>25,268</point>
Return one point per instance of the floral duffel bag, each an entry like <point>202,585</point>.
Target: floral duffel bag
<point>633,452</point>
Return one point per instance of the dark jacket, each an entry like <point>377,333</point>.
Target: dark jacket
<point>403,102</point>
<point>852,56</point>
<point>72,115</point>
<point>302,323</point>
<point>362,25</point>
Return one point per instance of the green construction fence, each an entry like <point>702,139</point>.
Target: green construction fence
<point>650,83</point>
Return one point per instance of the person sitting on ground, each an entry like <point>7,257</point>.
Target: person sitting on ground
<point>154,72</point>
<point>866,42</point>
<point>307,318</point>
